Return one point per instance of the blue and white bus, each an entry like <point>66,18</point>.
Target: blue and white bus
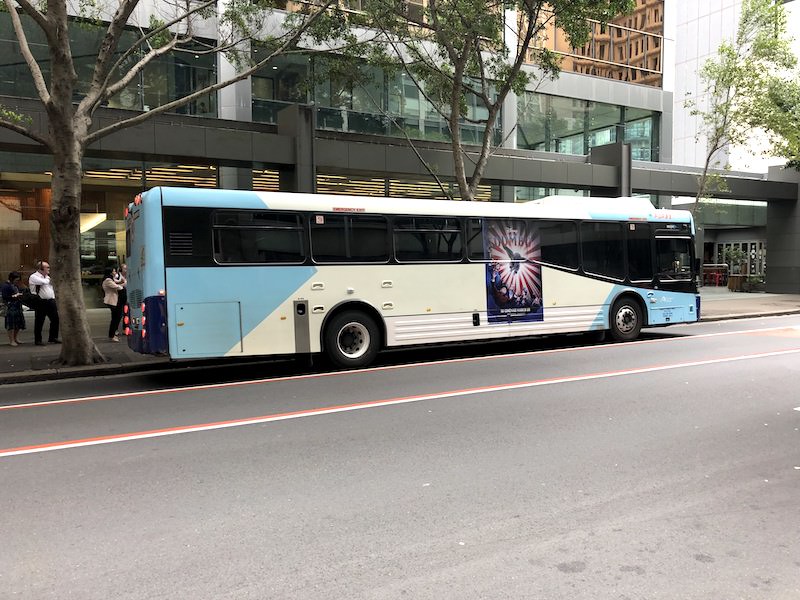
<point>216,273</point>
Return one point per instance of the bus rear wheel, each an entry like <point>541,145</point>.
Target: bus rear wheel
<point>626,320</point>
<point>351,339</point>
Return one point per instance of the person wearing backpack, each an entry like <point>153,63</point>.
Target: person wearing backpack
<point>40,284</point>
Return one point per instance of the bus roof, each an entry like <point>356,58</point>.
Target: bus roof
<point>552,207</point>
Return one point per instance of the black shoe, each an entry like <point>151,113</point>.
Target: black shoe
<point>53,341</point>
<point>40,344</point>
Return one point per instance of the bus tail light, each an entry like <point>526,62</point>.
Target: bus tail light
<point>127,331</point>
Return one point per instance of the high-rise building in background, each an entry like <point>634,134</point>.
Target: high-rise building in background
<point>698,29</point>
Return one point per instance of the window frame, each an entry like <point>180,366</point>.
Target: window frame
<point>458,230</point>
<point>348,220</point>
<point>301,228</point>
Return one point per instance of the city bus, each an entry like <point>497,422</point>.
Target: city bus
<point>225,273</point>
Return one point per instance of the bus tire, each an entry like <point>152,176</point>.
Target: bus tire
<point>352,339</point>
<point>626,319</point>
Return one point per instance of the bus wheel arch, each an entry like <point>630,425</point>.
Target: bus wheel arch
<point>627,317</point>
<point>352,334</point>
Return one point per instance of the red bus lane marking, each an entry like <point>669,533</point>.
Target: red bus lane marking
<point>153,433</point>
<point>216,386</point>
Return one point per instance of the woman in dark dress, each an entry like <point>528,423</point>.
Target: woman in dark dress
<point>12,298</point>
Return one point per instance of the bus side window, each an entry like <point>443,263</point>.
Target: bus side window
<point>602,249</point>
<point>475,248</point>
<point>428,239</point>
<point>229,246</point>
<point>640,252</point>
<point>559,242</point>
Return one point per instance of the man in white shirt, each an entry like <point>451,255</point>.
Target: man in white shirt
<point>40,284</point>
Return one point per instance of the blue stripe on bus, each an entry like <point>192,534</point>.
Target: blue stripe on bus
<point>261,290</point>
<point>240,199</point>
<point>669,307</point>
<point>628,216</point>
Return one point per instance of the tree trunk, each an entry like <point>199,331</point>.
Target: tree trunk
<point>77,347</point>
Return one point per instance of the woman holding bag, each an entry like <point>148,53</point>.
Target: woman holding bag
<point>111,299</point>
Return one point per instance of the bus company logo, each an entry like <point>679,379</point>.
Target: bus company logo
<point>348,210</point>
<point>663,214</point>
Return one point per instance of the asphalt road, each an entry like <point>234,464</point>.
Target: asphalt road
<point>666,468</point>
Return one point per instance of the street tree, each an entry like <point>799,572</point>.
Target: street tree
<point>781,119</point>
<point>467,56</point>
<point>735,101</point>
<point>70,103</point>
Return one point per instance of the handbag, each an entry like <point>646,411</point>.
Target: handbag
<point>29,299</point>
<point>3,309</point>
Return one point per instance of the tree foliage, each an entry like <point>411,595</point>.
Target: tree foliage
<point>781,119</point>
<point>465,53</point>
<point>736,102</point>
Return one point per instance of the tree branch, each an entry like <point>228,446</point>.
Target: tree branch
<point>36,72</point>
<point>117,86</point>
<point>289,42</point>
<point>17,128</point>
<point>105,55</point>
<point>41,19</point>
<point>149,35</point>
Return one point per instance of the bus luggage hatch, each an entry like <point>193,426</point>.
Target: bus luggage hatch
<point>208,329</point>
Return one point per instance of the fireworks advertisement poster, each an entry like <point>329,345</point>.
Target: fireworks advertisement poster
<point>514,273</point>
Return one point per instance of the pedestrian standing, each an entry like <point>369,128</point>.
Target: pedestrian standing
<point>111,299</point>
<point>40,284</point>
<point>122,279</point>
<point>12,298</point>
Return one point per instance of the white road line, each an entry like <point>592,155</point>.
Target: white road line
<point>67,444</point>
<point>214,386</point>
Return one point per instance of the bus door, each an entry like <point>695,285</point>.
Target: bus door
<point>675,292</point>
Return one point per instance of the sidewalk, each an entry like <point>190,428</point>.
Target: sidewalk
<point>29,362</point>
<point>35,363</point>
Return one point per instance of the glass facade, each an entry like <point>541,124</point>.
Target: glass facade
<point>165,79</point>
<point>572,126</point>
<point>371,102</point>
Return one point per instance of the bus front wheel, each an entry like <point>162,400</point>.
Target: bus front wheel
<point>351,339</point>
<point>626,320</point>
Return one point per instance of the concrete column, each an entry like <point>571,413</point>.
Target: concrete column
<point>783,238</point>
<point>236,100</point>
<point>299,122</point>
<point>235,178</point>
<point>614,155</point>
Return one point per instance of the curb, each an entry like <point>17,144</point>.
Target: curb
<point>755,315</point>
<point>32,376</point>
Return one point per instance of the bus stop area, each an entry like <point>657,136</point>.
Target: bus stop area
<point>29,362</point>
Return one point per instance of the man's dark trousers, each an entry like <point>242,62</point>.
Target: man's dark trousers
<point>45,308</point>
